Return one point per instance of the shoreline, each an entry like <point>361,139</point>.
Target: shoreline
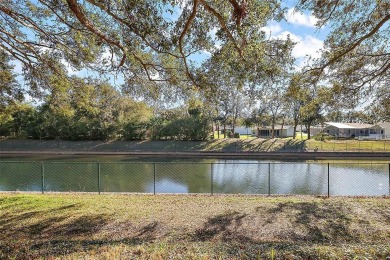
<point>218,155</point>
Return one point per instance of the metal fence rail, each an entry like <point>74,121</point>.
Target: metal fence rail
<point>324,179</point>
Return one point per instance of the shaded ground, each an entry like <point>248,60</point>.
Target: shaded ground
<point>252,145</point>
<point>73,226</point>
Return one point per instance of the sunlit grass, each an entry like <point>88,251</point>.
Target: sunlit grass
<point>86,226</point>
<point>243,144</point>
<point>242,136</point>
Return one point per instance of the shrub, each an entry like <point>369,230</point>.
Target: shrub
<point>323,137</point>
<point>236,135</point>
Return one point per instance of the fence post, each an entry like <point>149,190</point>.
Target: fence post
<point>99,183</point>
<point>43,177</point>
<point>269,179</point>
<point>154,178</point>
<point>212,179</point>
<point>328,182</point>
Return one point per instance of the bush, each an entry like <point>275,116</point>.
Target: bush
<point>323,137</point>
<point>135,131</point>
<point>236,135</point>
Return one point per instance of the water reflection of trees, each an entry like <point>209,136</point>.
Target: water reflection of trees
<point>15,176</point>
<point>195,177</point>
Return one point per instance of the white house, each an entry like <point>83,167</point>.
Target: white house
<point>349,130</point>
<point>242,130</point>
<point>386,129</point>
<point>266,132</point>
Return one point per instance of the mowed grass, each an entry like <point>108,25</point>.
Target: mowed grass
<point>244,144</point>
<point>242,136</point>
<point>85,226</point>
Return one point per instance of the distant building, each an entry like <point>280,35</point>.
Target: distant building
<point>242,130</point>
<point>386,129</point>
<point>348,130</point>
<point>266,132</point>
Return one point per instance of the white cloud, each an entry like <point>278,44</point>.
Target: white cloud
<point>299,18</point>
<point>207,53</point>
<point>272,29</point>
<point>305,46</point>
<point>310,46</point>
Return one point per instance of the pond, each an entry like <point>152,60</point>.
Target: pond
<point>209,176</point>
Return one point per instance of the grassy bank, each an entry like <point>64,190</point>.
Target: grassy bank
<point>216,145</point>
<point>84,226</point>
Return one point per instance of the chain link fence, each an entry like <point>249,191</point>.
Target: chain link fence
<point>324,179</point>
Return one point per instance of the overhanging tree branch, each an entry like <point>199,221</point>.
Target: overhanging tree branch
<point>79,13</point>
<point>358,42</point>
<point>223,25</point>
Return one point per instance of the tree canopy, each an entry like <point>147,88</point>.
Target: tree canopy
<point>356,53</point>
<point>153,46</point>
<point>149,42</point>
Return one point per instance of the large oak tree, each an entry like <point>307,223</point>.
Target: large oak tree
<point>150,42</point>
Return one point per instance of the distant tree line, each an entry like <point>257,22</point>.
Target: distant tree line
<point>88,109</point>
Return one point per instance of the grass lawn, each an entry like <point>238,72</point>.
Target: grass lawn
<point>85,226</point>
<point>244,144</point>
<point>241,136</point>
<point>301,136</point>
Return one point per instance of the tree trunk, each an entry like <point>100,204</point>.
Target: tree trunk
<point>281,129</point>
<point>308,131</point>
<point>295,129</point>
<point>218,129</point>
<point>224,130</point>
<point>273,129</point>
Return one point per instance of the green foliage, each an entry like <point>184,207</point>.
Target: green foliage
<point>187,128</point>
<point>20,123</point>
<point>10,89</point>
<point>79,110</point>
<point>139,41</point>
<point>323,137</point>
<point>356,56</point>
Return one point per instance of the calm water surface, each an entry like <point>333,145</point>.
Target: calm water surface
<point>167,175</point>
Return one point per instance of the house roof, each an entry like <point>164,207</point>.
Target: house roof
<point>277,127</point>
<point>350,125</point>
